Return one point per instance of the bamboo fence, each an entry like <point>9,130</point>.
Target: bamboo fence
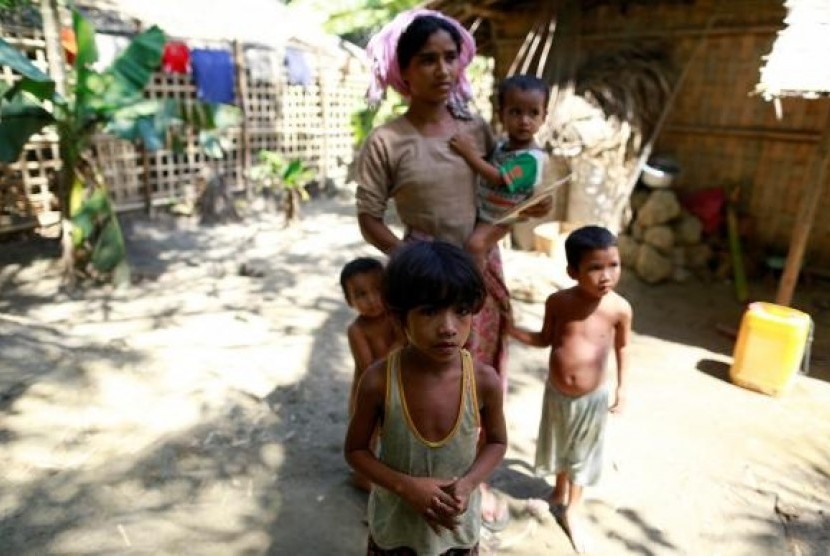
<point>310,123</point>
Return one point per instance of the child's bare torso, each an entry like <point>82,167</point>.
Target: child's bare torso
<point>432,402</point>
<point>582,336</point>
<point>381,334</point>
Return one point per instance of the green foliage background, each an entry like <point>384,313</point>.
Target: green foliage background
<point>356,20</point>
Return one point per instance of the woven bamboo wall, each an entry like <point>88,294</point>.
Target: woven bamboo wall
<point>24,187</point>
<point>310,123</point>
<point>718,130</point>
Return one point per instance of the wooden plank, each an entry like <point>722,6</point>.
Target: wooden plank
<point>805,218</point>
<point>763,134</point>
<point>683,32</point>
<point>145,178</point>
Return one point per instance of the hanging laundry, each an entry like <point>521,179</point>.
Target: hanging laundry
<point>69,44</point>
<point>299,72</point>
<point>175,58</point>
<point>213,72</point>
<point>259,62</point>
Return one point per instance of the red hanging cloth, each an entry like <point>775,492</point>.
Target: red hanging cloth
<point>175,58</point>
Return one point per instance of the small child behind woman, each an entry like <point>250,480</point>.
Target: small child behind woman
<point>373,333</point>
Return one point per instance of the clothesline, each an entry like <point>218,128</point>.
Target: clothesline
<point>212,64</point>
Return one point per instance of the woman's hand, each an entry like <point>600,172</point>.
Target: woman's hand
<point>540,209</point>
<point>464,145</point>
<point>428,498</point>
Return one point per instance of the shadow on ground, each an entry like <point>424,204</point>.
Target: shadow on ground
<point>314,474</point>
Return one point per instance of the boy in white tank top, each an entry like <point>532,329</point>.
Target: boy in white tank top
<point>431,402</point>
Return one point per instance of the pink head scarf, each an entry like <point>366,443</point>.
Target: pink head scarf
<point>382,52</point>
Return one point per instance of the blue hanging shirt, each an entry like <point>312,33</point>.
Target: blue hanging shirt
<point>213,73</point>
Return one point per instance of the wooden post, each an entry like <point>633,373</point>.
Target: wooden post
<point>145,178</point>
<point>50,14</point>
<point>242,93</point>
<point>325,150</point>
<point>804,218</point>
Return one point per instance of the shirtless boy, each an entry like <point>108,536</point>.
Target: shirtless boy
<point>582,325</point>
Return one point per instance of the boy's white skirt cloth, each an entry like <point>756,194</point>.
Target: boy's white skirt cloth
<point>572,434</point>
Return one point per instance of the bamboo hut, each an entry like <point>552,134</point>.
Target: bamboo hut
<point>718,123</point>
<point>306,119</point>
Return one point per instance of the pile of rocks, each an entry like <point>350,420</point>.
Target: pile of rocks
<point>663,240</point>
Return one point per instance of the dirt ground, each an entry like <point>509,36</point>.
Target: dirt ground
<point>202,410</point>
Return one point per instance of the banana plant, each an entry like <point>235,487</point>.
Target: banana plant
<point>284,178</point>
<point>111,101</point>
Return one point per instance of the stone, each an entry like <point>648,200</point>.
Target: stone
<point>661,207</point>
<point>639,198</point>
<point>637,230</point>
<point>680,274</point>
<point>628,247</point>
<point>698,256</point>
<point>652,267</point>
<point>687,229</point>
<point>660,237</point>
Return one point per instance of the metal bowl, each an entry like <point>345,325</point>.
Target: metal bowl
<point>659,172</point>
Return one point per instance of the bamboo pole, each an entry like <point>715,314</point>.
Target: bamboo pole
<point>514,66</point>
<point>325,99</point>
<point>50,14</point>
<point>804,218</point>
<point>623,195</point>
<point>242,93</point>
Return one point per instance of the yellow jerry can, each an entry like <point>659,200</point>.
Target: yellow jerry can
<point>769,348</point>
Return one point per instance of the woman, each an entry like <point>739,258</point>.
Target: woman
<point>422,54</point>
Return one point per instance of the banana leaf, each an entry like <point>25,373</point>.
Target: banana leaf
<point>90,212</point>
<point>212,144</point>
<point>33,80</point>
<point>101,94</point>
<point>109,249</point>
<point>155,122</point>
<point>19,120</point>
<point>85,57</point>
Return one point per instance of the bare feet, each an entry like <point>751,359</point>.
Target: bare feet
<point>537,508</point>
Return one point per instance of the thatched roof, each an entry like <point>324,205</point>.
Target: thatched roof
<point>797,65</point>
<point>483,16</point>
<point>467,12</point>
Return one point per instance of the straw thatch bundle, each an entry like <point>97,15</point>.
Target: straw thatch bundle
<point>796,66</point>
<point>617,101</point>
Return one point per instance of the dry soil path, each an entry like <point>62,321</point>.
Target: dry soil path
<point>202,411</point>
